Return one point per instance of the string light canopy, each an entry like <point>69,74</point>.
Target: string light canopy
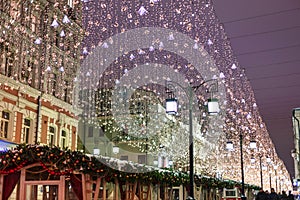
<point>198,21</point>
<point>102,20</point>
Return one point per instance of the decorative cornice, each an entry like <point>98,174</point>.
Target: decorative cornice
<point>31,92</point>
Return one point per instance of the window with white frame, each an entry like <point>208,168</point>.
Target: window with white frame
<point>142,159</point>
<point>70,3</point>
<point>4,124</point>
<point>6,58</point>
<point>63,139</point>
<point>124,157</point>
<point>26,130</point>
<point>90,131</point>
<point>51,136</point>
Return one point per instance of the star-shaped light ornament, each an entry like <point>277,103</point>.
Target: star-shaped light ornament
<point>151,48</point>
<point>196,46</point>
<point>38,41</point>
<point>222,75</point>
<point>171,36</point>
<point>85,51</point>
<point>131,56</point>
<point>61,69</point>
<point>66,20</point>
<point>233,66</point>
<point>142,11</point>
<point>62,33</point>
<point>54,23</point>
<point>209,42</point>
<point>105,45</point>
<point>153,1</point>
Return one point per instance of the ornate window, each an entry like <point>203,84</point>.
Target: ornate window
<point>142,159</point>
<point>6,60</point>
<point>2,56</point>
<point>34,23</point>
<point>124,158</point>
<point>53,88</point>
<point>103,102</point>
<point>26,131</point>
<point>90,131</point>
<point>4,5</point>
<point>4,124</point>
<point>51,136</point>
<point>101,131</point>
<point>70,3</point>
<point>26,75</point>
<point>63,139</point>
<point>66,92</point>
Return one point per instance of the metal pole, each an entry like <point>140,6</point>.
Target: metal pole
<point>261,175</point>
<point>276,181</point>
<point>189,91</point>
<point>146,124</point>
<point>39,102</point>
<point>84,127</point>
<point>191,142</point>
<point>270,180</point>
<point>242,168</point>
<point>279,184</point>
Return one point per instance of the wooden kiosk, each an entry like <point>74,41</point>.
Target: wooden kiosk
<point>43,173</point>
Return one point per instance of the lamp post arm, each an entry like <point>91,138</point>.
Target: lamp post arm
<point>213,88</point>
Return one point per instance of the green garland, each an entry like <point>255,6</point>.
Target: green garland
<point>64,162</point>
<point>220,183</point>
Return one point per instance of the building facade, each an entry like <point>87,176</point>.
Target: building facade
<point>296,152</point>
<point>39,58</point>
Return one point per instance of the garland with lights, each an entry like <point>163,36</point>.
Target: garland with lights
<point>210,182</point>
<point>60,162</point>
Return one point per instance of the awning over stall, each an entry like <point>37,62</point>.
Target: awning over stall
<point>6,145</point>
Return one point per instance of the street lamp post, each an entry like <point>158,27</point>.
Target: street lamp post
<point>269,171</point>
<point>270,179</point>
<point>252,145</point>
<point>242,167</point>
<point>171,108</point>
<point>276,184</point>
<point>261,175</point>
<point>106,143</point>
